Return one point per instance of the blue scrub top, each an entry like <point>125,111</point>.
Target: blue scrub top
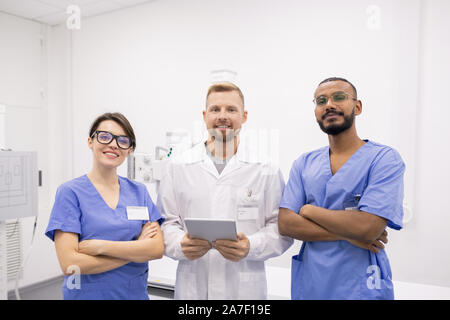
<point>79,208</point>
<point>371,181</point>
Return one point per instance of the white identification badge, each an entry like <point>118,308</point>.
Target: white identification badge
<point>247,213</point>
<point>137,213</point>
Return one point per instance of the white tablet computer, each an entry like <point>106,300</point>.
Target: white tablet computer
<point>211,229</point>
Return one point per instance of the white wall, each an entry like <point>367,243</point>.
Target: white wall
<point>23,89</point>
<point>425,243</point>
<point>152,62</point>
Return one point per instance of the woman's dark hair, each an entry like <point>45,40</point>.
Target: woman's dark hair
<point>120,120</point>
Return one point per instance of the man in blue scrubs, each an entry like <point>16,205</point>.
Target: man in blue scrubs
<point>338,201</point>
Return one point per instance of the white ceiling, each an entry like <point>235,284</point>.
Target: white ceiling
<point>53,12</point>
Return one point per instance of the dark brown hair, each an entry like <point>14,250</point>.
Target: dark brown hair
<point>120,120</point>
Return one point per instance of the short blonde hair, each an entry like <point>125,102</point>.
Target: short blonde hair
<point>225,87</point>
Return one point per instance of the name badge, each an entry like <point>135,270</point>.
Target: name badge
<point>247,213</point>
<point>137,213</point>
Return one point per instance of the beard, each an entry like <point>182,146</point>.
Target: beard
<point>223,137</point>
<point>335,129</point>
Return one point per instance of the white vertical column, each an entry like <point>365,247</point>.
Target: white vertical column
<point>3,272</point>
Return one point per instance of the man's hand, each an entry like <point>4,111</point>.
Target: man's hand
<point>374,245</point>
<point>233,250</point>
<point>194,248</point>
<point>148,231</point>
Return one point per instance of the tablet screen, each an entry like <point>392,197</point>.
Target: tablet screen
<point>211,229</point>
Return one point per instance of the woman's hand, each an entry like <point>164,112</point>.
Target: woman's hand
<point>149,230</point>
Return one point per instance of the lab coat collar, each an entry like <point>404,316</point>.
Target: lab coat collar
<point>243,155</point>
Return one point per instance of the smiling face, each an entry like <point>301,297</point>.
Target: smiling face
<point>337,114</point>
<point>224,115</point>
<point>108,155</point>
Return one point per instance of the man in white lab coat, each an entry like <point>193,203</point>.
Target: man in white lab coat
<point>221,179</point>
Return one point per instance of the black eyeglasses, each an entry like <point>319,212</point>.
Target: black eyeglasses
<point>105,137</point>
<point>337,97</point>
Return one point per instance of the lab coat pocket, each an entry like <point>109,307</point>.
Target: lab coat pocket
<point>248,197</point>
<point>248,210</point>
<point>252,286</point>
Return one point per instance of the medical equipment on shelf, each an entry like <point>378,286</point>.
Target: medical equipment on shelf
<point>18,199</point>
<point>149,168</point>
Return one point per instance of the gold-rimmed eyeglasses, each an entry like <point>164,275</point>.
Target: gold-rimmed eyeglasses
<point>337,97</point>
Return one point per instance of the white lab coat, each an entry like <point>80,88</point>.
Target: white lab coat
<point>192,187</point>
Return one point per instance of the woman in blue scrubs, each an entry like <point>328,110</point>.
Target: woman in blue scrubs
<point>106,227</point>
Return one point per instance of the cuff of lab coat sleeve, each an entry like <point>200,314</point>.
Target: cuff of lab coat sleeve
<point>179,253</point>
<point>173,248</point>
<point>255,247</point>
